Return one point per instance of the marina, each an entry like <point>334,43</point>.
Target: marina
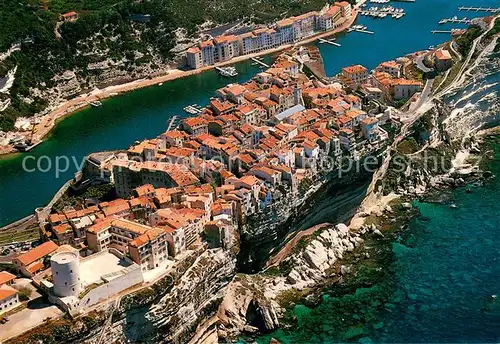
<point>227,71</point>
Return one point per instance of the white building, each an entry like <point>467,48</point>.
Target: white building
<point>8,298</point>
<point>65,268</point>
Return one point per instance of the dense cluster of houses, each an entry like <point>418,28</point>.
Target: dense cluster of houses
<point>251,145</point>
<point>286,31</point>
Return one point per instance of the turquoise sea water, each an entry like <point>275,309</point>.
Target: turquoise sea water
<point>437,285</point>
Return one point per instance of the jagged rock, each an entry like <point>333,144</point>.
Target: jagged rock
<point>388,208</point>
<point>406,205</point>
<point>378,233</point>
<point>221,333</point>
<point>487,174</point>
<point>316,256</point>
<point>250,329</point>
<point>344,270</point>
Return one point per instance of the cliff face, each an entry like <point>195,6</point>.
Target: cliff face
<point>329,199</point>
<point>254,302</point>
<point>194,298</point>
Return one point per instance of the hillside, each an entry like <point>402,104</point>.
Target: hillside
<point>111,41</point>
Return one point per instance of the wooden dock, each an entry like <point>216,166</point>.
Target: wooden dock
<point>171,122</point>
<point>479,9</point>
<point>329,41</point>
<point>365,31</point>
<point>455,21</point>
<point>442,31</point>
<point>260,62</point>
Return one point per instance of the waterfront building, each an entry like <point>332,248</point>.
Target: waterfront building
<point>330,19</point>
<point>32,262</point>
<point>353,76</point>
<point>286,31</point>
<point>345,7</point>
<point>194,57</point>
<point>304,25</point>
<point>226,47</point>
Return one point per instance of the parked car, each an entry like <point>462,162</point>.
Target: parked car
<point>4,320</point>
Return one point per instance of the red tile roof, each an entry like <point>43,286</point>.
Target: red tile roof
<point>6,277</point>
<point>37,253</point>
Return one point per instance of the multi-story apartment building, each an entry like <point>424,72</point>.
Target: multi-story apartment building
<point>286,31</point>
<point>330,19</point>
<point>226,47</point>
<point>354,76</point>
<point>150,249</point>
<point>194,57</point>
<point>127,175</point>
<point>304,25</point>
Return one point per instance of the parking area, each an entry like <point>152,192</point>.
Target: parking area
<point>33,315</point>
<point>103,263</point>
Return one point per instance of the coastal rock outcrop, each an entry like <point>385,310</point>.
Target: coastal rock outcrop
<point>254,301</point>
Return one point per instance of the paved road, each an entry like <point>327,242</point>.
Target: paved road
<point>460,73</point>
<point>30,317</point>
<point>420,64</point>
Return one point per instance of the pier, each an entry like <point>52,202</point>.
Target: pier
<point>442,31</point>
<point>171,122</point>
<point>365,31</point>
<point>455,20</point>
<point>329,41</point>
<point>259,62</point>
<point>479,9</point>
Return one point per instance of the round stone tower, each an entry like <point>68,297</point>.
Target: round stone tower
<point>65,268</point>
